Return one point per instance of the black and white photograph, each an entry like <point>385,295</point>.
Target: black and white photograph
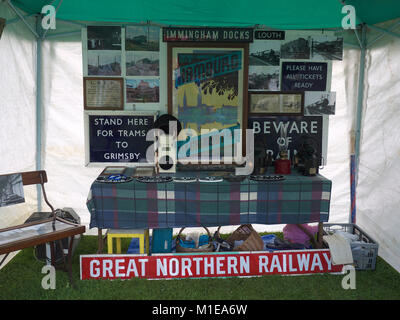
<point>319,103</point>
<point>11,189</point>
<point>264,53</point>
<point>327,48</point>
<point>264,78</point>
<point>276,103</point>
<point>104,38</point>
<point>139,38</point>
<point>296,47</point>
<point>142,63</point>
<point>104,63</point>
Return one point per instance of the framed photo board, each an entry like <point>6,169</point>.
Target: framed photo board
<point>276,103</point>
<point>103,93</point>
<point>207,89</point>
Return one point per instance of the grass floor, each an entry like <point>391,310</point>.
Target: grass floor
<point>21,279</point>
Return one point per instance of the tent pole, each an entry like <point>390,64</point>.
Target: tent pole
<point>39,108</point>
<point>358,37</point>
<point>360,97</point>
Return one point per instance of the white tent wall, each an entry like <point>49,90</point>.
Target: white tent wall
<point>64,153</point>
<point>344,83</point>
<point>17,111</point>
<point>378,188</point>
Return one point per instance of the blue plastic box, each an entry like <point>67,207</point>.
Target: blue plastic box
<point>161,240</point>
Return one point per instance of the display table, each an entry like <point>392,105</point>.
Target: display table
<point>137,205</point>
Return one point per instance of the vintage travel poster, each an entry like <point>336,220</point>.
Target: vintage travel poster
<point>207,88</point>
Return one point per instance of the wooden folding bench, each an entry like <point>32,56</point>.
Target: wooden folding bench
<point>48,230</point>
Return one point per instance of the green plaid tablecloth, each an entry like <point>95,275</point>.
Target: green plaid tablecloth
<point>297,199</point>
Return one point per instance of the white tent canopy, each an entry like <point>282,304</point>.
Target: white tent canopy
<point>61,129</point>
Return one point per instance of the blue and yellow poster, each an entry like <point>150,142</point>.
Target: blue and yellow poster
<point>208,88</point>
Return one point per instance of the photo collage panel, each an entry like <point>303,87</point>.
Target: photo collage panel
<point>132,53</point>
<point>290,61</point>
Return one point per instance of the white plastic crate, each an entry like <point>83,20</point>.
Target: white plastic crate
<point>365,251</point>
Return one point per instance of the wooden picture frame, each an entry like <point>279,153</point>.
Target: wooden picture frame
<point>200,48</point>
<point>103,93</point>
<point>276,103</point>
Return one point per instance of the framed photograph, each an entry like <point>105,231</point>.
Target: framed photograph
<point>104,63</point>
<point>142,90</point>
<point>113,170</point>
<point>11,189</point>
<point>144,172</point>
<point>103,93</point>
<point>326,47</point>
<point>319,103</point>
<point>142,38</point>
<point>264,78</point>
<point>265,53</point>
<point>142,63</point>
<point>104,38</point>
<point>296,46</point>
<point>276,103</point>
<point>207,90</point>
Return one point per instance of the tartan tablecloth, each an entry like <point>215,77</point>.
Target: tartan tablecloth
<point>297,199</point>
